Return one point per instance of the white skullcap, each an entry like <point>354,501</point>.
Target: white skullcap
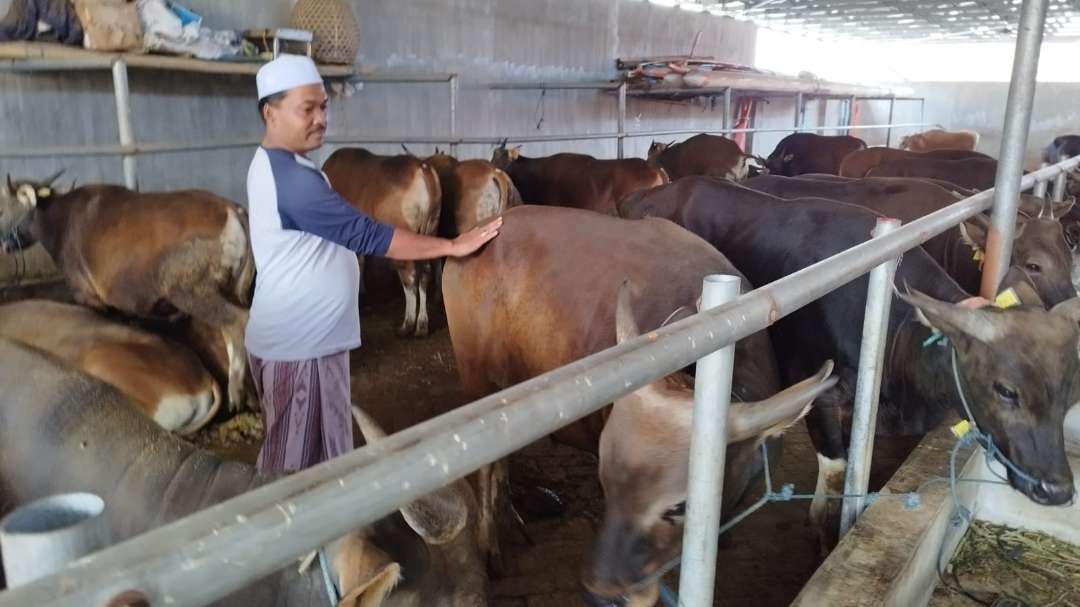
<point>286,72</point>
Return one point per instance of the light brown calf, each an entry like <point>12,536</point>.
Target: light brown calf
<point>940,139</point>
<point>165,379</point>
<point>402,191</point>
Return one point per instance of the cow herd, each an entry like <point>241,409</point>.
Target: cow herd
<point>591,253</point>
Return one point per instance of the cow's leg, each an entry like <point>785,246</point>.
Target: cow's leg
<point>825,424</point>
<point>493,481</point>
<point>407,273</point>
<point>423,286</point>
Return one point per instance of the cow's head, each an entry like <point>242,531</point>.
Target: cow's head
<point>1020,372</point>
<point>1040,251</point>
<point>780,162</point>
<point>503,156</point>
<point>655,149</point>
<point>644,454</point>
<point>18,202</point>
<point>368,564</point>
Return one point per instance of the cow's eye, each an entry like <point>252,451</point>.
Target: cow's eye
<point>1006,393</point>
<point>675,512</point>
<point>1032,267</point>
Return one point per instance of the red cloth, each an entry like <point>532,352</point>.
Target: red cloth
<point>742,121</point>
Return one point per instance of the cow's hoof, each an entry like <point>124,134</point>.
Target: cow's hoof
<point>421,330</point>
<point>406,330</point>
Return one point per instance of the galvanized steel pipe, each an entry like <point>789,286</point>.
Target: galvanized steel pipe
<point>1013,144</point>
<point>708,449</point>
<point>123,120</point>
<point>875,334</point>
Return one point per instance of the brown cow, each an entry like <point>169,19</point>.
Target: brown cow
<point>404,192</point>
<point>859,163</point>
<point>472,191</point>
<point>800,153</point>
<point>576,180</point>
<point>700,155</point>
<point>151,255</point>
<point>940,139</point>
<point>975,173</point>
<point>546,293</point>
<point>165,379</point>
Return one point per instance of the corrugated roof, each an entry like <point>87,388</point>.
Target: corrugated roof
<point>898,19</point>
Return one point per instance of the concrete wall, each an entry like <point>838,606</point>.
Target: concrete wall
<point>483,40</point>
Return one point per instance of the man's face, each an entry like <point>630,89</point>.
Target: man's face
<point>299,120</point>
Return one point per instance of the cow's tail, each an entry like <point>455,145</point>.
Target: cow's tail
<point>664,177</point>
<point>244,274</point>
<point>434,191</point>
<point>508,194</point>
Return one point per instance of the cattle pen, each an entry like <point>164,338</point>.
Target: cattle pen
<point>206,556</point>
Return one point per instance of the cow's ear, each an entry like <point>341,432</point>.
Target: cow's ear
<point>954,320</point>
<point>513,153</point>
<point>437,517</point>
<point>974,232</point>
<point>1069,308</point>
<point>788,157</point>
<point>776,414</point>
<point>626,327</point>
<point>26,195</point>
<point>365,574</point>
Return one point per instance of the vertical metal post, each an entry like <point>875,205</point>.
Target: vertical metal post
<point>850,114</point>
<point>1059,187</point>
<point>123,119</point>
<point>922,110</point>
<point>888,131</point>
<point>752,124</point>
<point>1040,186</point>
<point>708,447</point>
<point>727,110</point>
<point>798,111</point>
<point>1013,143</point>
<point>868,387</point>
<point>453,86</point>
<point>622,120</point>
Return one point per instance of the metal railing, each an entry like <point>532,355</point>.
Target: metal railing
<point>129,149</point>
<point>205,556</point>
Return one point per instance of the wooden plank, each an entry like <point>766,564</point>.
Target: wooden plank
<point>55,56</point>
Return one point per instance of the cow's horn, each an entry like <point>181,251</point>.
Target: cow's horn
<point>778,412</point>
<point>10,186</point>
<point>49,180</point>
<point>502,144</point>
<point>439,516</point>
<point>1047,210</point>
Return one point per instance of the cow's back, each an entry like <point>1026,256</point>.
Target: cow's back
<point>543,294</point>
<point>581,181</point>
<point>704,154</point>
<point>403,191</point>
<point>478,191</point>
<point>976,173</point>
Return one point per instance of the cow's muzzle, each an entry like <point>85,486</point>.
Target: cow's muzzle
<point>600,601</point>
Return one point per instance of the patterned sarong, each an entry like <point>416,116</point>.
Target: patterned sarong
<point>306,408</point>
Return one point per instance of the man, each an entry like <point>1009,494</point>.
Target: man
<point>305,237</point>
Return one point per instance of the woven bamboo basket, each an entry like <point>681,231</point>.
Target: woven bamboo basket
<point>336,32</point>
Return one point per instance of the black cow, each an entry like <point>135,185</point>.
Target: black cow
<point>1040,252</point>
<point>800,153</point>
<point>1018,366</point>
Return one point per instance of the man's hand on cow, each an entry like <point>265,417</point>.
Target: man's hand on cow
<point>470,241</point>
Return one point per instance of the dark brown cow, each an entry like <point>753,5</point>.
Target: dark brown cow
<point>700,155</point>
<point>404,192</point>
<point>800,153</point>
<point>165,379</point>
<point>576,180</point>
<point>975,173</point>
<point>151,255</point>
<point>1040,253</point>
<point>859,163</point>
<point>547,292</point>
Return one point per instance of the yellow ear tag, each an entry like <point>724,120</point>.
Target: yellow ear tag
<point>1007,299</point>
<point>978,255</point>
<point>961,428</point>
<point>44,192</point>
